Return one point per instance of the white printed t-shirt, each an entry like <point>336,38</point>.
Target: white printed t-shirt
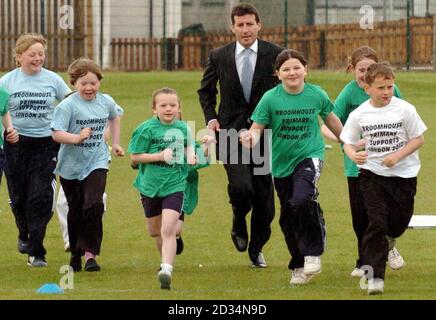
<point>386,130</point>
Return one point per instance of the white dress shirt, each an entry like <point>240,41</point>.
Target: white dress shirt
<point>239,56</point>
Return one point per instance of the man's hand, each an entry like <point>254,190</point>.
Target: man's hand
<point>213,125</point>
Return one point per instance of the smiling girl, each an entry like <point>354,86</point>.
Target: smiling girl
<point>33,94</point>
<point>162,148</point>
<point>291,112</point>
<point>78,124</point>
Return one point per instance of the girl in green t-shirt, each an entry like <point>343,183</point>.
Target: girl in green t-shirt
<point>11,133</point>
<point>349,99</point>
<point>290,112</point>
<point>162,149</point>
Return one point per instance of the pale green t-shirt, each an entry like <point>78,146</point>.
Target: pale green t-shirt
<point>4,98</point>
<point>293,119</point>
<point>190,199</point>
<point>160,179</point>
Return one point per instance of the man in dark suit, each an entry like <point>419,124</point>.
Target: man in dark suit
<point>244,70</point>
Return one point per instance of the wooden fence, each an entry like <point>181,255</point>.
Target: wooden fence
<point>36,16</point>
<point>388,39</point>
<point>136,54</point>
<point>326,46</point>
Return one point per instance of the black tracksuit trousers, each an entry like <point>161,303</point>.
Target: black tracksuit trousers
<point>32,184</point>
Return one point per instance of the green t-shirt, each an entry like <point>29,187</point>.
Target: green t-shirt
<point>347,101</point>
<point>160,179</point>
<point>293,120</point>
<point>190,199</point>
<point>4,99</point>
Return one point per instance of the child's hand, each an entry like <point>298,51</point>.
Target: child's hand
<point>207,140</point>
<point>245,138</point>
<point>12,135</point>
<point>361,144</point>
<point>360,157</point>
<point>117,150</point>
<point>134,165</point>
<point>192,159</point>
<point>84,134</point>
<point>391,160</point>
<point>167,155</point>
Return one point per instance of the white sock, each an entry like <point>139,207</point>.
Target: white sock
<point>167,267</point>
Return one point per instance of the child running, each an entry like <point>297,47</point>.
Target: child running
<point>162,148</point>
<point>352,96</point>
<point>33,94</point>
<point>11,133</point>
<point>61,201</point>
<point>291,112</point>
<point>393,133</point>
<point>78,124</point>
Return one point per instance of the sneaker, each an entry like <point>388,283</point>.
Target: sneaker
<point>180,245</point>
<point>164,277</point>
<point>312,265</point>
<point>91,265</point>
<point>23,246</point>
<point>259,262</point>
<point>357,273</point>
<point>375,286</point>
<point>36,262</point>
<point>67,247</point>
<point>395,260</point>
<point>299,277</point>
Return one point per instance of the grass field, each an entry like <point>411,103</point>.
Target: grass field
<point>130,261</point>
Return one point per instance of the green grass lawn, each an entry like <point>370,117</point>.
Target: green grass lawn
<point>130,260</point>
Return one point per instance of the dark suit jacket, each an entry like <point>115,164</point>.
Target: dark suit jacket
<point>234,111</point>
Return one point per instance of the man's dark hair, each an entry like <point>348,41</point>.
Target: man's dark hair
<point>243,9</point>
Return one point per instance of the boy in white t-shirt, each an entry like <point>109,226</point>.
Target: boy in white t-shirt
<point>392,132</point>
